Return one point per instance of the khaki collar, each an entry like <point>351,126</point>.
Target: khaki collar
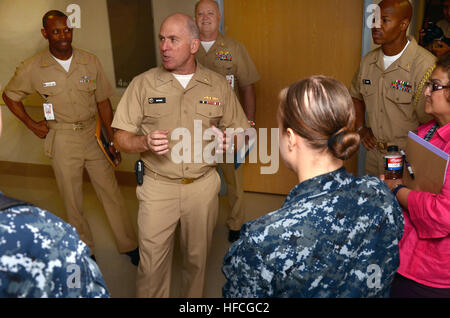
<point>405,61</point>
<point>200,76</point>
<point>48,60</point>
<point>219,42</point>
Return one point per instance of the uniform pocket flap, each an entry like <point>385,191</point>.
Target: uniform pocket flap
<point>368,90</point>
<point>210,111</point>
<point>399,97</point>
<point>50,90</point>
<point>156,110</point>
<point>86,87</point>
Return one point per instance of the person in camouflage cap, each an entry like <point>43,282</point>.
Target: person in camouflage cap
<point>336,235</point>
<point>42,256</point>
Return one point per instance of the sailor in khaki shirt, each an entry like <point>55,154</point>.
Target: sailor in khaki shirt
<point>72,99</point>
<point>230,59</point>
<point>392,95</point>
<point>162,109</point>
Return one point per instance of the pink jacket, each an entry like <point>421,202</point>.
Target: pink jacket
<point>425,245</point>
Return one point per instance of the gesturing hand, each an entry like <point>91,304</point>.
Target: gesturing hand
<point>158,142</point>
<point>224,142</point>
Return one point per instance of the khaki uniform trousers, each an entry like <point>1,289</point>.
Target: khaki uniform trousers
<point>235,192</point>
<point>162,206</point>
<point>74,150</point>
<point>375,162</point>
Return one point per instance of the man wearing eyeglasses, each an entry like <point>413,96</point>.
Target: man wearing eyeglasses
<point>389,85</point>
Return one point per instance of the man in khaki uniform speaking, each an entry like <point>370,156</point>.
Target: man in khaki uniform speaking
<point>389,85</point>
<point>229,58</point>
<point>181,95</point>
<point>75,89</point>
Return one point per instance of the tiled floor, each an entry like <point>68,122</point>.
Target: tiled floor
<point>118,272</point>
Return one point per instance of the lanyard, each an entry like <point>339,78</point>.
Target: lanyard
<point>431,132</point>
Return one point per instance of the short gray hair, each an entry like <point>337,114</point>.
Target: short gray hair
<point>193,29</point>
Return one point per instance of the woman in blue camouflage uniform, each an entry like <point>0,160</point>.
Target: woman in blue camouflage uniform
<point>336,235</point>
<point>41,256</point>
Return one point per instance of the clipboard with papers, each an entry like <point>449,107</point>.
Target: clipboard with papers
<point>103,142</point>
<point>428,162</point>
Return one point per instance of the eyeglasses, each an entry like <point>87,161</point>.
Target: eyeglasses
<point>435,87</point>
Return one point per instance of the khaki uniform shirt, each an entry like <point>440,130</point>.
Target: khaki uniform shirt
<point>229,58</point>
<point>155,100</point>
<point>389,95</point>
<point>74,95</point>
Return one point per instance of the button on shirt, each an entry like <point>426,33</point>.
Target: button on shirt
<point>74,94</point>
<point>155,100</point>
<point>389,95</point>
<point>332,235</point>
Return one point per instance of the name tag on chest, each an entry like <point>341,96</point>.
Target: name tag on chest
<point>157,100</point>
<point>49,84</point>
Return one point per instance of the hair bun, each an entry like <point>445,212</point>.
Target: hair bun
<point>344,143</point>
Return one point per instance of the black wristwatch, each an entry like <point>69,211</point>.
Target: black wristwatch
<point>397,188</point>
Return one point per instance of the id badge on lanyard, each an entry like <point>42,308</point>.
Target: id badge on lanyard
<point>230,79</point>
<point>48,111</point>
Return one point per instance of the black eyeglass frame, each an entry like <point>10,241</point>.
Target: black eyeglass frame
<point>436,87</point>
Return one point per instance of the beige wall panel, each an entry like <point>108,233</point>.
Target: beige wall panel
<point>290,40</point>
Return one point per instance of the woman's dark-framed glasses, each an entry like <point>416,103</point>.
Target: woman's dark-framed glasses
<point>436,87</point>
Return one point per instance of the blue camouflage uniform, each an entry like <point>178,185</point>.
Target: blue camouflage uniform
<point>335,236</point>
<point>42,256</point>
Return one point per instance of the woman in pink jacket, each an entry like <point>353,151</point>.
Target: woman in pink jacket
<point>425,246</point>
